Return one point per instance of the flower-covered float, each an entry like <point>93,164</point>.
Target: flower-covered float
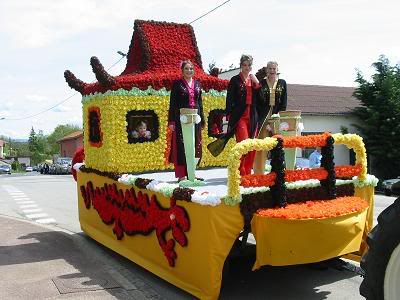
<point>130,202</point>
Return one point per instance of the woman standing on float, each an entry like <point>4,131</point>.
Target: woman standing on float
<point>243,103</point>
<point>185,93</point>
<point>274,93</point>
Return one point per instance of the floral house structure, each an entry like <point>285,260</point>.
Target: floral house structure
<point>113,105</point>
<point>184,235</point>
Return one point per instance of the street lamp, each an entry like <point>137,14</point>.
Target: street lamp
<point>122,53</point>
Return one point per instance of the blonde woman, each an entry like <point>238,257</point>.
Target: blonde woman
<point>274,93</point>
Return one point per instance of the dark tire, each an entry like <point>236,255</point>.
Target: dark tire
<point>388,192</point>
<point>382,242</point>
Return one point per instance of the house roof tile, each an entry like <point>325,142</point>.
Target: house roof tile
<point>322,100</point>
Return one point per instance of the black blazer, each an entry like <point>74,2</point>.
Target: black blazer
<point>280,97</point>
<point>235,107</point>
<point>179,98</point>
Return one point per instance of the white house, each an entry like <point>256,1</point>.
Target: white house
<point>325,108</point>
<point>2,144</point>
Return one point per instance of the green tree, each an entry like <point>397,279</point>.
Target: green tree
<point>59,132</point>
<point>380,113</point>
<point>32,141</point>
<point>42,145</point>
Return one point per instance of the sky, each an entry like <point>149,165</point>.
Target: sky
<point>314,42</point>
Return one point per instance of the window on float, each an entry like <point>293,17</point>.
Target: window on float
<point>142,126</point>
<point>217,123</point>
<point>95,134</point>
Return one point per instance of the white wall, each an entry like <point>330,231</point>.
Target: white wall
<point>332,124</point>
<point>229,74</point>
<point>24,160</point>
<point>1,152</point>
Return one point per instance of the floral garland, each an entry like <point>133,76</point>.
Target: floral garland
<point>251,203</point>
<point>278,190</point>
<point>317,209</point>
<point>138,214</point>
<point>305,141</point>
<point>233,197</point>
<point>348,171</point>
<point>171,190</point>
<point>296,191</point>
<point>257,180</point>
<point>327,162</point>
<point>254,180</point>
<point>356,143</point>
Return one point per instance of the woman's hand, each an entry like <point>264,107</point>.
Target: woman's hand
<point>253,78</point>
<point>254,81</point>
<point>171,127</point>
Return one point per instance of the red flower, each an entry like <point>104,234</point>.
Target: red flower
<point>137,214</point>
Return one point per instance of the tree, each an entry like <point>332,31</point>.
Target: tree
<point>32,141</point>
<point>381,117</point>
<point>213,70</point>
<point>211,66</point>
<point>59,132</point>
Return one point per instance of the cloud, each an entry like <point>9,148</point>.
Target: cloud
<point>7,105</point>
<point>61,108</point>
<point>36,98</point>
<point>4,113</point>
<point>33,24</point>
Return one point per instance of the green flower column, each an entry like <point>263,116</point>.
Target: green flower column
<point>189,118</point>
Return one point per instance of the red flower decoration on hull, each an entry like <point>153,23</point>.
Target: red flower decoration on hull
<point>138,214</point>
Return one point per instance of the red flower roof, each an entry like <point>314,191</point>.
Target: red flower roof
<point>154,57</point>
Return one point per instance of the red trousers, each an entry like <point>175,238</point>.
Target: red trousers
<point>243,132</point>
<point>180,170</point>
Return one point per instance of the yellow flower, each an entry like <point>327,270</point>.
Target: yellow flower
<point>117,155</point>
<point>355,142</point>
<point>236,153</point>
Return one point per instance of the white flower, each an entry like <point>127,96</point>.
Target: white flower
<point>78,165</point>
<point>284,126</point>
<point>183,119</point>
<point>127,179</point>
<point>205,198</point>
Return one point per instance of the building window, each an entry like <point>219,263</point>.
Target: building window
<point>142,126</point>
<point>217,123</point>
<point>95,134</point>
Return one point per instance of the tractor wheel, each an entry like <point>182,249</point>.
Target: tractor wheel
<point>382,261</point>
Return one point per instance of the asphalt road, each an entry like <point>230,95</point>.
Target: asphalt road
<point>52,199</point>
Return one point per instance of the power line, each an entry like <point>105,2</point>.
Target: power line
<point>215,8</point>
<point>57,104</point>
<point>123,56</point>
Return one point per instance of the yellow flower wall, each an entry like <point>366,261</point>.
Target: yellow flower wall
<point>117,155</point>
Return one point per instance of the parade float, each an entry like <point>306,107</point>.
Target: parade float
<point>130,202</point>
